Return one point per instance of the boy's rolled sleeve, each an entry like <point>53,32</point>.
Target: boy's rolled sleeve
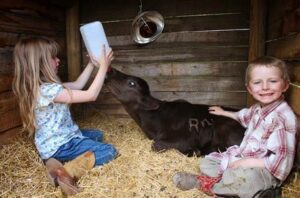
<point>281,147</point>
<point>244,116</point>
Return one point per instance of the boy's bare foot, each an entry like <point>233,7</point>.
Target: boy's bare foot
<point>185,181</point>
<point>57,175</point>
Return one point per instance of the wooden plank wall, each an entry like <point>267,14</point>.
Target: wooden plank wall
<point>283,41</point>
<point>200,56</point>
<point>22,18</point>
<point>257,34</point>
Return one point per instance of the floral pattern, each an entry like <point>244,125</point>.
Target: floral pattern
<point>54,124</point>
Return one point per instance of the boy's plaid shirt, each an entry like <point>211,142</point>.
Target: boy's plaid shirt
<point>270,135</point>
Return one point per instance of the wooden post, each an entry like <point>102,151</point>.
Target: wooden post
<point>257,33</point>
<point>73,41</point>
<point>73,49</point>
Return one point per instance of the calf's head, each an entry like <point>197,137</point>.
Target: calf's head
<point>133,92</point>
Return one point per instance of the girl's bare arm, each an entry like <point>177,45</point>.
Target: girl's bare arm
<point>91,94</point>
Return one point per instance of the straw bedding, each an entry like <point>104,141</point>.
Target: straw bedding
<point>137,172</point>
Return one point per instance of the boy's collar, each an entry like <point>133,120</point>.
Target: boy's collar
<point>273,105</point>
<point>266,110</point>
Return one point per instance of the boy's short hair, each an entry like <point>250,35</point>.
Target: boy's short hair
<point>267,61</point>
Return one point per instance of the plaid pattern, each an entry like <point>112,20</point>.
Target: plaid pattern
<point>270,135</point>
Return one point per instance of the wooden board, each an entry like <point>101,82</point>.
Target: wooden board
<point>191,53</point>
<point>257,33</point>
<point>206,83</point>
<point>10,119</point>
<point>187,23</point>
<point>221,37</point>
<point>157,69</point>
<point>194,84</point>
<point>257,27</point>
<point>6,60</point>
<point>294,97</point>
<point>5,81</point>
<point>7,102</point>
<point>274,31</point>
<point>73,40</point>
<point>276,12</point>
<point>281,17</point>
<point>118,110</point>
<point>8,39</point>
<point>294,71</point>
<point>14,22</point>
<point>111,10</point>
<point>211,98</point>
<point>291,22</point>
<point>287,48</point>
<point>34,7</point>
<point>8,136</point>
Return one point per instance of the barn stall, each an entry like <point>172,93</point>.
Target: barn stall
<point>200,56</point>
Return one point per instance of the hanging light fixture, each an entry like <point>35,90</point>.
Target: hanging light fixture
<point>147,26</point>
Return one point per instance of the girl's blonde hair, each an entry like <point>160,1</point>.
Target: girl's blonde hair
<point>32,59</point>
<point>267,61</point>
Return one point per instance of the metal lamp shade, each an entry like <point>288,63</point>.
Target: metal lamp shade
<point>147,26</point>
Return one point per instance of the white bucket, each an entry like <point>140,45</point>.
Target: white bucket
<point>94,38</point>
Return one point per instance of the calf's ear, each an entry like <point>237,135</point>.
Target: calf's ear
<point>148,103</point>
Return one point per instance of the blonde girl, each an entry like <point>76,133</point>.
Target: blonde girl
<point>44,101</point>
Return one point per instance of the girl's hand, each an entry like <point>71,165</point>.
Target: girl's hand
<point>104,60</point>
<point>216,110</point>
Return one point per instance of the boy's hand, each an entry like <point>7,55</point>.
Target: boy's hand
<point>247,163</point>
<point>216,110</point>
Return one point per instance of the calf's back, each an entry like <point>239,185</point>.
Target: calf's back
<point>174,124</point>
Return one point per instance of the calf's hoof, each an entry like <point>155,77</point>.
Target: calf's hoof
<point>158,147</point>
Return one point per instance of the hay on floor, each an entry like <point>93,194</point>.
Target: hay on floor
<point>137,172</point>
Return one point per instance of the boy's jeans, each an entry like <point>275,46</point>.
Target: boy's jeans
<point>93,142</point>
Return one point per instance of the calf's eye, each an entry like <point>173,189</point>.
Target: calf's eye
<point>131,84</point>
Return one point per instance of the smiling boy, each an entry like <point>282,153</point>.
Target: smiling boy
<point>265,157</point>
